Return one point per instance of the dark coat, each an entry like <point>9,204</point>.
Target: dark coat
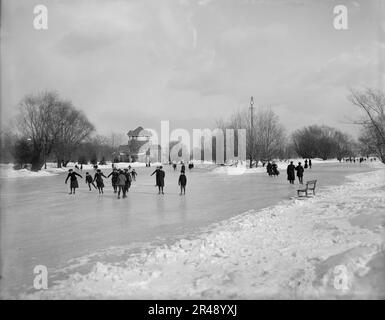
<point>74,180</point>
<point>88,179</point>
<point>182,180</point>
<point>183,169</point>
<point>114,178</point>
<point>159,177</point>
<point>128,179</point>
<point>299,170</point>
<point>269,168</point>
<point>99,180</point>
<point>290,172</point>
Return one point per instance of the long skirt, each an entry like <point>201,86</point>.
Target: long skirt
<point>99,183</point>
<point>74,184</point>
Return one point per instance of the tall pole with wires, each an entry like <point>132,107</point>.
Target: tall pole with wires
<point>251,130</point>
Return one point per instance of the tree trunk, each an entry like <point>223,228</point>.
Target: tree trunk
<point>36,163</point>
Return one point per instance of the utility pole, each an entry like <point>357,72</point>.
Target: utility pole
<point>252,130</point>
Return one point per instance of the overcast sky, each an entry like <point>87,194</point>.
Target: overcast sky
<point>129,63</point>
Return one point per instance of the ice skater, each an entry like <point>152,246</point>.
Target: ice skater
<point>182,183</point>
<point>305,166</point>
<point>274,169</point>
<point>300,171</point>
<point>74,181</point>
<point>291,172</point>
<point>133,174</point>
<point>183,168</point>
<point>114,179</point>
<point>89,181</point>
<point>309,163</point>
<point>127,185</point>
<point>269,169</point>
<point>174,166</point>
<point>121,183</point>
<point>99,180</point>
<point>159,177</point>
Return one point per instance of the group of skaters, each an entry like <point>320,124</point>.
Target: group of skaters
<point>292,170</point>
<point>361,159</point>
<point>182,181</point>
<point>121,180</point>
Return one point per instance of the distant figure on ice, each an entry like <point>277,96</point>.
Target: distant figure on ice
<point>89,181</point>
<point>183,168</point>
<point>133,174</point>
<point>114,179</point>
<point>309,163</point>
<point>291,172</point>
<point>182,183</point>
<point>305,167</point>
<point>81,167</point>
<point>300,171</point>
<point>190,166</point>
<point>269,169</point>
<point>174,166</point>
<point>121,183</point>
<point>99,180</point>
<point>74,181</point>
<point>274,169</point>
<point>127,185</point>
<point>159,177</point>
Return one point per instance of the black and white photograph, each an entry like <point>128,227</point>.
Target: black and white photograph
<point>193,150</point>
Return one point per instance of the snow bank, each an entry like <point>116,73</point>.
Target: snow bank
<point>301,248</point>
<point>7,171</point>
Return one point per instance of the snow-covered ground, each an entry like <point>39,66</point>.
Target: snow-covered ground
<point>327,246</point>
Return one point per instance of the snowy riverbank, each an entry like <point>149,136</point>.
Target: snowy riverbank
<point>7,171</point>
<point>328,246</point>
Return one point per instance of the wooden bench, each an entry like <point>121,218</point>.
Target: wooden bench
<point>310,185</point>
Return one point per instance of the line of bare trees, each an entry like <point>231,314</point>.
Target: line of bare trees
<point>371,102</point>
<point>49,127</point>
<point>265,139</point>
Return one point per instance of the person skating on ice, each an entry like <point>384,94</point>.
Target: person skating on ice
<point>300,171</point>
<point>99,180</point>
<point>291,172</point>
<point>274,169</point>
<point>121,183</point>
<point>159,177</point>
<point>128,181</point>
<point>114,173</point>
<point>74,181</point>
<point>89,181</point>
<point>182,183</point>
<point>269,169</point>
<point>133,174</point>
<point>183,168</point>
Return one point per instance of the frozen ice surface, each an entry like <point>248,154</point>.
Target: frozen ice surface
<point>242,236</point>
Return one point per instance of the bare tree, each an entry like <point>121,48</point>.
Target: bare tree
<point>35,123</point>
<point>51,125</point>
<point>372,103</point>
<point>269,135</point>
<point>71,127</point>
<point>322,142</point>
<point>265,140</point>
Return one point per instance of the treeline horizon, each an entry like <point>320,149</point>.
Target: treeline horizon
<point>49,128</point>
